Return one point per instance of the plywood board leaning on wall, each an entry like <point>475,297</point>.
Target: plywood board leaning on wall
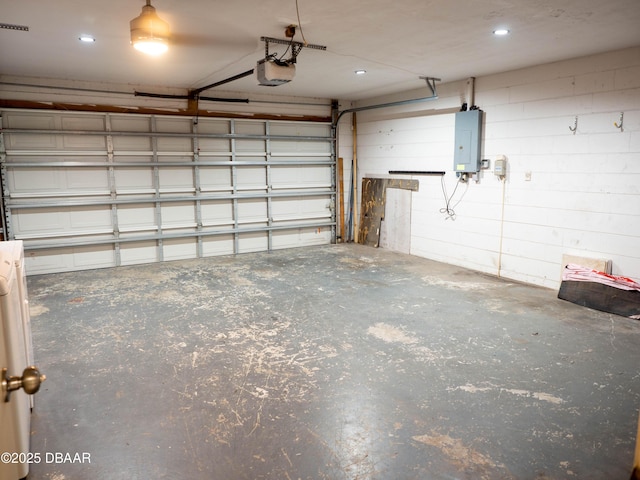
<point>373,205</point>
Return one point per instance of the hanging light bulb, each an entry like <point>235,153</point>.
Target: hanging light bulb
<point>149,33</point>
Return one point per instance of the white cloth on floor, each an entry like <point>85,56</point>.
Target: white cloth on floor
<point>582,274</point>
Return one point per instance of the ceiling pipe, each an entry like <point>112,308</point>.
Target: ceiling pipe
<point>471,92</point>
<point>431,82</point>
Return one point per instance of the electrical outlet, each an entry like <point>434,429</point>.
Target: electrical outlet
<point>527,176</point>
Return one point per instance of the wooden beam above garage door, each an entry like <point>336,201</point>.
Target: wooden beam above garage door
<point>28,104</point>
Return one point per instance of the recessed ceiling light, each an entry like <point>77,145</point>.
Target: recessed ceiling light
<point>360,72</point>
<point>501,32</point>
<point>86,38</point>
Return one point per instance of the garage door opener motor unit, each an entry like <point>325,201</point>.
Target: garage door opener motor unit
<point>272,72</point>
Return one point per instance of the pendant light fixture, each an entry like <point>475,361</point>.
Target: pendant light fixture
<point>149,33</point>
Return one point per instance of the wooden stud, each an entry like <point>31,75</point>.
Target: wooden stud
<point>341,196</point>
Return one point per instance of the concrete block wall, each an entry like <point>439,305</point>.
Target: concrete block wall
<point>564,193</point>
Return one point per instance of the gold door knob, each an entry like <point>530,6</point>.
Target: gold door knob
<point>29,382</point>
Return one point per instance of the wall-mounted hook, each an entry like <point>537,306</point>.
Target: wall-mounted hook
<point>575,125</point>
<point>615,124</point>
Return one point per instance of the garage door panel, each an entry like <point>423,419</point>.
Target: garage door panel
<point>248,127</point>
<point>132,144</point>
<point>176,179</point>
<point>213,126</point>
<point>218,245</point>
<point>171,144</point>
<point>32,122</point>
<point>300,207</point>
<point>252,210</point>
<point>301,237</point>
<point>174,125</point>
<point>294,159</point>
<point>130,123</point>
<point>57,181</point>
<point>35,182</point>
<point>33,223</point>
<point>215,178</point>
<point>303,176</point>
<point>215,159</point>
<point>33,142</point>
<point>178,214</point>
<point>251,178</point>
<point>280,147</point>
<point>300,129</point>
<point>218,212</point>
<point>253,242</point>
<point>180,249</point>
<point>87,179</point>
<point>83,142</point>
<point>127,159</point>
<point>137,217</point>
<point>135,253</point>
<point>51,261</point>
<point>92,257</point>
<point>130,180</point>
<point>255,158</point>
<point>244,145</point>
<point>125,189</point>
<point>90,218</point>
<point>178,157</point>
<point>218,145</point>
<point>69,259</point>
<point>82,122</point>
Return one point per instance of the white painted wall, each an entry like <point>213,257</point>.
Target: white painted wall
<point>583,196</point>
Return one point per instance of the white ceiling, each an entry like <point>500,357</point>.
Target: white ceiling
<point>395,41</point>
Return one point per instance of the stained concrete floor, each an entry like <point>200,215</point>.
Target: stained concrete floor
<point>336,362</point>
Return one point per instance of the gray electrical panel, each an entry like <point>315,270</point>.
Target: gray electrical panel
<point>468,138</point>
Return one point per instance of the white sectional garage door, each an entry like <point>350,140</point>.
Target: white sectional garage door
<point>90,190</point>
